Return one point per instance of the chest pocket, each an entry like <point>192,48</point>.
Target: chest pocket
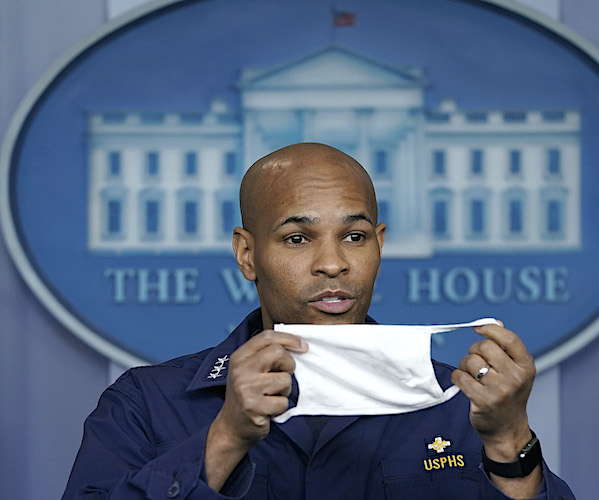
<point>446,477</point>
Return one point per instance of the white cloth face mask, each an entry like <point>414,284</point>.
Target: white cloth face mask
<point>367,369</point>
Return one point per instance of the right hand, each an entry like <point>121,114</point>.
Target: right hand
<point>258,384</point>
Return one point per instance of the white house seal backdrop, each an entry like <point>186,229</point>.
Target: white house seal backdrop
<point>475,121</point>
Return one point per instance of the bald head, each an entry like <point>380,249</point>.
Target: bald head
<point>310,231</point>
<point>303,162</point>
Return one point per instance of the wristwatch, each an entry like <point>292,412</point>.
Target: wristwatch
<point>527,460</point>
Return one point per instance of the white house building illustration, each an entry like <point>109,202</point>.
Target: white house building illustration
<point>446,179</point>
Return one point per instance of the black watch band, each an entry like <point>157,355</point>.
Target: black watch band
<point>528,459</point>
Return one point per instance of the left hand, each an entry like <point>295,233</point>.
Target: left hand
<point>498,399</point>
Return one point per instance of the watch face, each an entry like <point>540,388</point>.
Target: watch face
<point>529,446</point>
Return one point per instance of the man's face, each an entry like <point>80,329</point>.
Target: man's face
<point>316,247</point>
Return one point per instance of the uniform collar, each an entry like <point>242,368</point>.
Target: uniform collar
<point>213,370</point>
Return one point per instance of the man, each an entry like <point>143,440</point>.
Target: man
<point>201,426</point>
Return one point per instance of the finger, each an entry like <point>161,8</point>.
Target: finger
<point>507,340</point>
<point>262,409</point>
<point>472,364</point>
<point>287,340</point>
<point>249,351</point>
<point>276,384</point>
<point>273,358</point>
<point>493,355</point>
<point>275,405</point>
<point>471,388</point>
<point>255,395</point>
<point>270,337</point>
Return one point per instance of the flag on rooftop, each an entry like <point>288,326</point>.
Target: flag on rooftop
<point>342,18</point>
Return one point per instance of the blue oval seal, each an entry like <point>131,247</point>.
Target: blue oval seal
<point>475,120</point>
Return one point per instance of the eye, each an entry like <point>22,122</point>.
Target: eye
<point>354,238</point>
<point>296,239</point>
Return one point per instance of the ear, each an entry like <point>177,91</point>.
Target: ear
<point>380,236</point>
<point>243,246</point>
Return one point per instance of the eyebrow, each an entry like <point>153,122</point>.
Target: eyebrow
<point>307,220</point>
<point>356,217</point>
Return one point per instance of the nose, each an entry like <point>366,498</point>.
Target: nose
<point>330,259</point>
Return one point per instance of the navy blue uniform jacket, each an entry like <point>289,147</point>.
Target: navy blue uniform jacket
<point>146,440</point>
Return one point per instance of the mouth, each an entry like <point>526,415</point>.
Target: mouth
<point>333,302</point>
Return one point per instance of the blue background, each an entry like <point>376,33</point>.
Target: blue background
<point>181,58</point>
